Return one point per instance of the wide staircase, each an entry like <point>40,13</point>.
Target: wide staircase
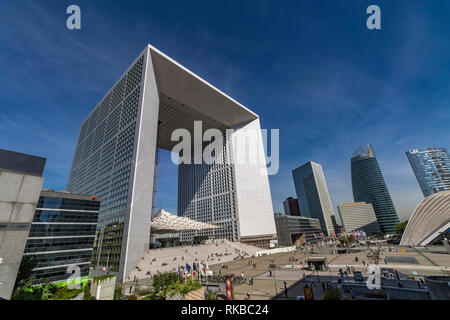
<point>168,259</point>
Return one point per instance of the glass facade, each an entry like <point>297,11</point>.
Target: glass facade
<point>206,193</point>
<point>313,197</point>
<point>62,235</point>
<point>369,186</point>
<point>431,166</point>
<point>293,228</point>
<point>108,244</point>
<point>102,163</point>
<point>358,216</point>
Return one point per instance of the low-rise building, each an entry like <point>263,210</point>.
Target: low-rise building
<point>62,235</point>
<point>358,216</point>
<point>297,230</point>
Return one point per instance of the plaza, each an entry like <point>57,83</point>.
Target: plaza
<point>428,263</point>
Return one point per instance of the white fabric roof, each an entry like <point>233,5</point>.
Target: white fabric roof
<point>426,222</point>
<point>165,222</point>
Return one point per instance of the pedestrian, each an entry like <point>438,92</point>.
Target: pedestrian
<point>248,295</point>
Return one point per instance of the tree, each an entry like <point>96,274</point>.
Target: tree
<point>118,291</point>
<point>211,295</point>
<point>400,228</point>
<point>184,288</point>
<point>332,294</point>
<point>161,281</point>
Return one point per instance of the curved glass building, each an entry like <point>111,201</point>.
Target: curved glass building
<point>431,166</point>
<point>368,186</point>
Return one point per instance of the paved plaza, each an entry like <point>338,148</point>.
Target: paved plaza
<point>265,287</point>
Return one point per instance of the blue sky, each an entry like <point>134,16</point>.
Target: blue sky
<point>310,68</point>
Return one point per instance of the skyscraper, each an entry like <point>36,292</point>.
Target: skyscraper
<point>312,192</point>
<point>368,186</point>
<point>116,151</point>
<point>431,166</point>
<point>291,207</point>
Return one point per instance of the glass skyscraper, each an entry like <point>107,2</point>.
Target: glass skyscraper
<point>431,166</point>
<point>314,199</point>
<point>368,186</point>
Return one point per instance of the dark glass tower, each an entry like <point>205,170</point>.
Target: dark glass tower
<point>369,186</point>
<point>431,167</point>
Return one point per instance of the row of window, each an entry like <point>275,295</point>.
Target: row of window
<point>55,244</point>
<point>66,203</point>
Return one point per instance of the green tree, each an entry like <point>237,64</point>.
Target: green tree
<point>184,288</point>
<point>332,294</point>
<point>211,295</point>
<point>118,291</point>
<point>161,281</point>
<point>400,228</point>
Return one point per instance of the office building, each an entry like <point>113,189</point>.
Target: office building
<point>62,235</point>
<point>116,151</point>
<point>431,166</point>
<point>314,199</point>
<point>297,230</point>
<point>20,185</point>
<point>358,216</point>
<point>368,186</point>
<point>291,207</point>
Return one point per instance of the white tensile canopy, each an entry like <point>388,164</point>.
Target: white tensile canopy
<point>165,222</point>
